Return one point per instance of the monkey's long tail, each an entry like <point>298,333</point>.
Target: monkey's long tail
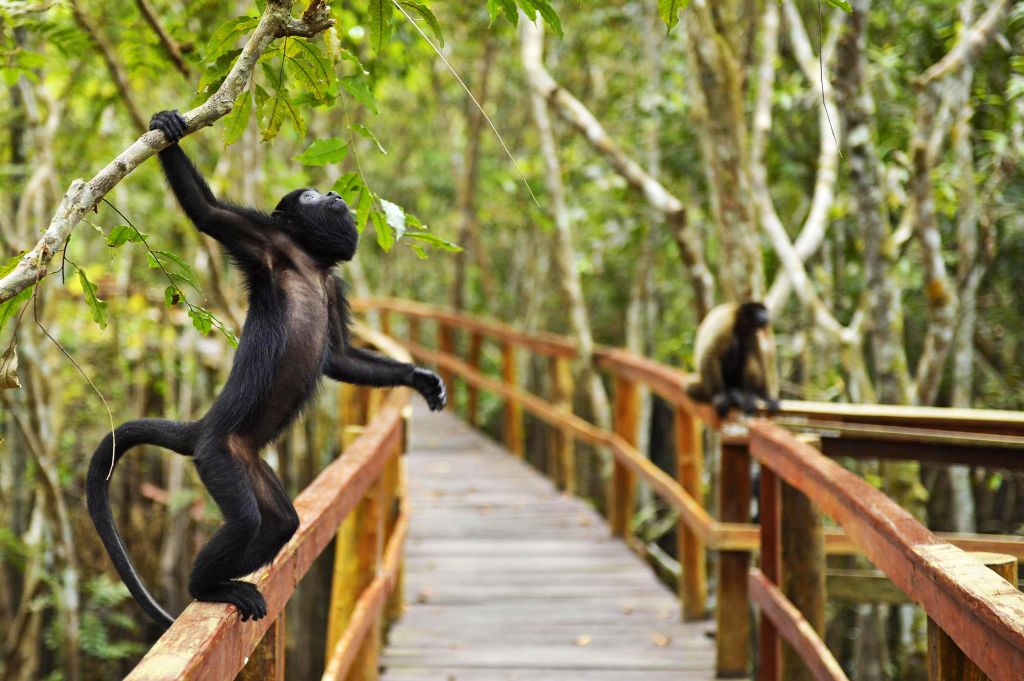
<point>174,435</point>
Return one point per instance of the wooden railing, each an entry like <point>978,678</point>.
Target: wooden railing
<point>979,610</point>
<point>977,437</point>
<point>359,499</point>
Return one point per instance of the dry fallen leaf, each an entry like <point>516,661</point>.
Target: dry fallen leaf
<point>627,609</point>
<point>424,595</point>
<point>661,640</point>
<point>9,369</point>
<point>583,640</point>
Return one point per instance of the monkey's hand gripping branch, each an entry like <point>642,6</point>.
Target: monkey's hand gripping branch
<point>82,196</point>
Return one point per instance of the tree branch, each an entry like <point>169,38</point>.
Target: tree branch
<point>116,72</point>
<point>170,45</point>
<point>82,196</point>
<point>578,116</point>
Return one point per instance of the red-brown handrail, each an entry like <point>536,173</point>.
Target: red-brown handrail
<point>980,611</point>
<point>208,642</point>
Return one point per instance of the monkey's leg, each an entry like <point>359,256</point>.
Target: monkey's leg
<point>221,561</point>
<point>278,519</point>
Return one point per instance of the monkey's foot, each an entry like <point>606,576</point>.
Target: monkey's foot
<point>243,595</point>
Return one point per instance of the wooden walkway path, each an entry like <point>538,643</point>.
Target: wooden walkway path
<point>509,580</point>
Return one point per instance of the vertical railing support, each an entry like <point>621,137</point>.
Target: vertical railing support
<point>385,321</point>
<point>357,547</point>
<point>446,344</point>
<point>732,614</point>
<point>414,330</point>
<point>513,410</point>
<point>626,423</point>
<point>563,443</point>
<point>693,585</point>
<point>476,343</point>
<point>946,662</point>
<point>803,567</point>
<point>771,566</point>
<point>267,662</point>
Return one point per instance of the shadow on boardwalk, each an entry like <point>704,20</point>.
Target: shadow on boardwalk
<point>509,580</point>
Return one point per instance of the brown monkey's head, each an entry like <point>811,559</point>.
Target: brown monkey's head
<point>321,224</point>
<point>751,317</point>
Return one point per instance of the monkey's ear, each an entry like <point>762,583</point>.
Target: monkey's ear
<point>278,215</point>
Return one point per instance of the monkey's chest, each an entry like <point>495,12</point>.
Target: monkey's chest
<point>306,343</point>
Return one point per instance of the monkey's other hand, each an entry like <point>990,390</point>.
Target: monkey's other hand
<point>171,123</point>
<point>721,402</point>
<point>430,385</point>
<point>772,405</point>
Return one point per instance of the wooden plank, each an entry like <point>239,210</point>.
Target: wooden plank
<point>946,662</point>
<point>982,613</point>
<point>267,662</point>
<point>545,594</point>
<point>794,628</point>
<point>863,586</point>
<point>803,571</point>
<point>769,666</point>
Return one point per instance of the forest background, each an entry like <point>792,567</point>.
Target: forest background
<point>638,162</point>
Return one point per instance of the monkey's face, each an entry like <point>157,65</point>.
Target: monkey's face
<point>322,224</point>
<point>752,317</point>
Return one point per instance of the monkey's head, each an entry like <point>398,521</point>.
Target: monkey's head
<point>321,224</point>
<point>750,318</point>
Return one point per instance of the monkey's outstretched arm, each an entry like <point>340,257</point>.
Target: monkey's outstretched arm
<point>229,225</point>
<point>362,367</point>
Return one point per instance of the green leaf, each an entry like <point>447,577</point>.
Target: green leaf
<point>11,263</point>
<point>97,307</point>
<point>322,152</point>
<point>215,74</point>
<point>368,134</point>
<point>122,234</point>
<point>172,296</point>
<point>428,16</point>
<point>669,11</point>
<point>271,117</point>
<point>506,7</point>
<point>237,120</point>
<point>9,309</point>
<point>435,241</point>
<point>309,67</point>
<point>534,7</point>
<point>395,216</point>
<point>385,237</point>
<point>841,4</point>
<point>359,88</point>
<point>201,319</point>
<point>175,266</point>
<point>225,37</point>
<point>381,12</point>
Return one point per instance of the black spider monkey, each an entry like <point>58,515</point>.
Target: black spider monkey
<point>295,332</point>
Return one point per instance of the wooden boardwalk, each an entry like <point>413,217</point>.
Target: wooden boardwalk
<point>509,580</point>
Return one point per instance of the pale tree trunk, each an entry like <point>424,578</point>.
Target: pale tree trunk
<point>689,240</point>
<point>565,252</point>
<point>719,32</point>
<point>467,185</point>
<point>939,289</point>
<point>885,310</point>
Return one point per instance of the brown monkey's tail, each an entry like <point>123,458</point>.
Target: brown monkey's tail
<point>174,435</point>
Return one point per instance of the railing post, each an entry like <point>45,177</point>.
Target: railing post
<point>946,662</point>
<point>622,491</point>
<point>267,662</point>
<point>513,410</point>
<point>563,443</point>
<point>414,330</point>
<point>385,321</point>
<point>357,549</point>
<point>771,566</point>
<point>476,343</point>
<point>693,584</point>
<point>803,566</point>
<point>446,344</point>
<point>732,614</point>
